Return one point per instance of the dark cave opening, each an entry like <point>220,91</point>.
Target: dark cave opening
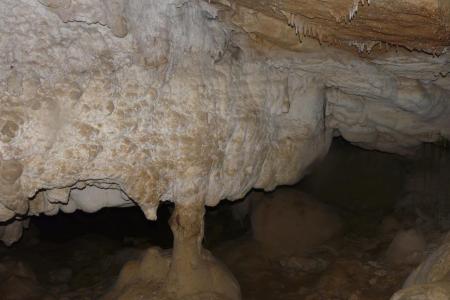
<point>117,224</point>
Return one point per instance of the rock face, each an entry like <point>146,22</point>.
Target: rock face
<point>194,102</point>
<point>407,247</point>
<point>18,282</point>
<point>363,24</point>
<point>292,223</point>
<point>173,100</point>
<point>176,110</point>
<point>431,279</point>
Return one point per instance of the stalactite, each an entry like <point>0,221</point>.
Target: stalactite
<point>354,9</point>
<point>304,28</point>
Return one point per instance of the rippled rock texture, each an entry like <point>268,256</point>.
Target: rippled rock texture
<point>116,103</point>
<point>170,100</point>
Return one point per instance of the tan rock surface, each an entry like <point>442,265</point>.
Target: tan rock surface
<point>188,272</point>
<point>414,24</point>
<point>180,101</point>
<point>430,280</point>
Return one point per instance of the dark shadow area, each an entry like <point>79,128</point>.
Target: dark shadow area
<point>363,185</point>
<point>117,224</point>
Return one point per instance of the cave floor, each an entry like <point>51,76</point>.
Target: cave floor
<point>351,266</point>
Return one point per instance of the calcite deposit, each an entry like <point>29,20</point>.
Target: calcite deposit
<point>430,280</point>
<point>134,102</point>
<point>291,222</point>
<point>188,272</point>
<point>173,100</point>
<point>364,24</point>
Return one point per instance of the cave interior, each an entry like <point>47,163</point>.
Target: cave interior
<point>224,149</point>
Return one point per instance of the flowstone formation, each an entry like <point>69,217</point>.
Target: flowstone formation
<point>165,100</point>
<point>134,102</point>
<point>187,272</point>
<point>430,281</point>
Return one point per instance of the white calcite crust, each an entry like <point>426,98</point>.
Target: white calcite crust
<point>162,100</point>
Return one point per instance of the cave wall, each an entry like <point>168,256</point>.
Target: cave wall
<point>178,100</point>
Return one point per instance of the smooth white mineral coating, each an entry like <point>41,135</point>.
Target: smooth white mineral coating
<point>92,199</point>
<point>162,100</point>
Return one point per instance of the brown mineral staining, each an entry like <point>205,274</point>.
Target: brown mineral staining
<point>131,95</point>
<point>68,153</point>
<point>10,170</point>
<point>119,26</point>
<point>342,22</point>
<point>155,62</point>
<point>93,150</point>
<point>87,130</point>
<point>36,105</point>
<point>68,89</point>
<point>127,146</point>
<point>39,100</point>
<point>9,131</point>
<point>75,94</point>
<point>110,107</point>
<point>152,92</point>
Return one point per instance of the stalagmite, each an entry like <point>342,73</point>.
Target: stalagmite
<point>187,272</point>
<point>194,272</point>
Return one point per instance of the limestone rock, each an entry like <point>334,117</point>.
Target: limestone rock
<point>121,102</point>
<point>389,225</point>
<point>430,280</point>
<point>11,232</point>
<point>18,281</point>
<point>187,272</point>
<point>304,264</point>
<point>5,213</point>
<point>357,23</point>
<point>407,247</point>
<point>163,100</point>
<point>293,223</point>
